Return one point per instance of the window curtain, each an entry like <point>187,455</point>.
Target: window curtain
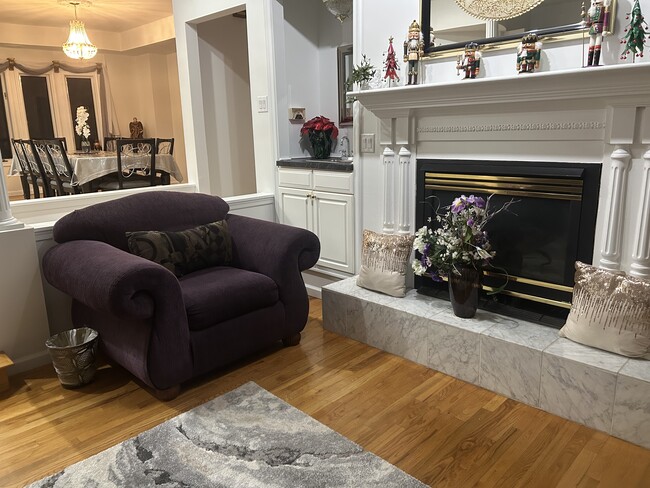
<point>106,99</point>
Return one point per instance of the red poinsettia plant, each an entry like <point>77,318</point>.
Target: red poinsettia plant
<point>320,131</point>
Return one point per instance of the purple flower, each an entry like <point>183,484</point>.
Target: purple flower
<point>479,202</point>
<point>435,277</point>
<point>470,222</point>
<point>458,205</point>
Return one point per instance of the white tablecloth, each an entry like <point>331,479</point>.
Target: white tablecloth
<point>88,167</point>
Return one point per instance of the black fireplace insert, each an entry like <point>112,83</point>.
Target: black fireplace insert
<point>549,227</point>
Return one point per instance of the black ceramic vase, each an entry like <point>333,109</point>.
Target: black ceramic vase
<point>321,144</point>
<point>463,291</point>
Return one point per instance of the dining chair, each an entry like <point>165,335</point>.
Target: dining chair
<point>165,146</point>
<point>64,142</point>
<point>53,151</point>
<point>26,175</point>
<point>41,170</point>
<point>109,143</point>
<point>136,165</point>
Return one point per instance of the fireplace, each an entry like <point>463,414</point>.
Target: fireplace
<point>549,227</point>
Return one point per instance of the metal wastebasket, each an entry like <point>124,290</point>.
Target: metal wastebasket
<point>74,355</point>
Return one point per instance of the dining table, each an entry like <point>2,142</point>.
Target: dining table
<point>87,167</point>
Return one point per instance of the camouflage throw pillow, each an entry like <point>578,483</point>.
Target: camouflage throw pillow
<point>185,251</point>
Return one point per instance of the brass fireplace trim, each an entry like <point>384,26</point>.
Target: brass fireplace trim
<point>550,188</point>
<point>513,179</point>
<point>525,296</point>
<point>533,298</point>
<point>513,193</point>
<point>528,281</point>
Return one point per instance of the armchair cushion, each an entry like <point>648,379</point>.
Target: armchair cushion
<point>218,294</point>
<point>185,251</point>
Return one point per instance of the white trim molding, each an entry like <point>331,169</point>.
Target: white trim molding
<point>641,255</point>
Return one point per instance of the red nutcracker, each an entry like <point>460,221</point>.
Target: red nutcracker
<point>470,62</point>
<point>597,19</point>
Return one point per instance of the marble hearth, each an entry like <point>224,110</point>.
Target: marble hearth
<point>521,360</point>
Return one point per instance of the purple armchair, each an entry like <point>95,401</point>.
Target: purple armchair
<point>166,330</point>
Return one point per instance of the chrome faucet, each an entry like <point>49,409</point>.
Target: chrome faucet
<point>345,152</point>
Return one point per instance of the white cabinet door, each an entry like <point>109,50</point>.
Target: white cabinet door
<point>333,223</point>
<point>296,207</point>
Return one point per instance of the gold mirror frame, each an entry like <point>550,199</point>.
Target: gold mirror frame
<point>551,34</point>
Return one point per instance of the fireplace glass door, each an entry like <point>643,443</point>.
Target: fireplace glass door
<point>550,225</point>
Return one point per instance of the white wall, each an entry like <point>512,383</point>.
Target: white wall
<point>188,15</point>
<point>223,54</point>
<point>307,68</point>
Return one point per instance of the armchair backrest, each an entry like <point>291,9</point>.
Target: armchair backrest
<point>153,210</point>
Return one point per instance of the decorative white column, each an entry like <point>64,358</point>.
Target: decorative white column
<point>388,158</point>
<point>7,220</point>
<point>403,194</point>
<point>610,254</point>
<point>641,253</point>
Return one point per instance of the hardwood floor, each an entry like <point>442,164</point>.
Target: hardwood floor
<point>443,431</point>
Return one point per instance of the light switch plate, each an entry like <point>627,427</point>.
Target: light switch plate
<point>367,143</point>
<point>262,104</point>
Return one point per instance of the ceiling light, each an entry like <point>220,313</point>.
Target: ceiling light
<point>78,46</point>
<point>341,9</point>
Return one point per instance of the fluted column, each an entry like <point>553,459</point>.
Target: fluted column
<point>7,220</point>
<point>610,254</point>
<point>388,158</point>
<point>641,253</point>
<point>403,194</point>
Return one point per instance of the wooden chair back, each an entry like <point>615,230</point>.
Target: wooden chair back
<point>27,178</point>
<point>136,162</point>
<point>164,146</point>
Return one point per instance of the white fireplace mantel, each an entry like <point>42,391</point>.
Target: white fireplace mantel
<point>602,86</point>
<point>590,115</point>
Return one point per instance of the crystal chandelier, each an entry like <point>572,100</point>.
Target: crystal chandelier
<point>78,46</point>
<point>341,9</point>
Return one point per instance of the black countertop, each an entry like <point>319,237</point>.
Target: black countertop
<point>334,164</point>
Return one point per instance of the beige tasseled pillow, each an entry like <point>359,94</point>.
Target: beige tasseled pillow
<point>384,260</point>
<point>610,311</point>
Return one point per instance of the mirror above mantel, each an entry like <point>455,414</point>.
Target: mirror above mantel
<point>453,27</point>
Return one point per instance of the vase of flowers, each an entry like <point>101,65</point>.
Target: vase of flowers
<point>82,128</point>
<point>320,131</point>
<point>458,249</point>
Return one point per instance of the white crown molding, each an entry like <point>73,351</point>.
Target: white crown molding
<point>602,86</point>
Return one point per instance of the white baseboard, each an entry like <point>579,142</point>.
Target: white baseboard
<point>314,291</point>
<point>28,362</point>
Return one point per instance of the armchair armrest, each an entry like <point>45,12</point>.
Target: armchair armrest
<point>119,285</point>
<point>108,279</point>
<point>281,252</point>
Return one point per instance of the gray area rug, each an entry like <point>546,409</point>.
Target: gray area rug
<point>245,438</point>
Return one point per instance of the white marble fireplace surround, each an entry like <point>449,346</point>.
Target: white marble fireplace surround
<point>523,361</point>
<point>600,116</point>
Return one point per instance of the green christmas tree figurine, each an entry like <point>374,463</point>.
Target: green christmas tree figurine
<point>635,33</point>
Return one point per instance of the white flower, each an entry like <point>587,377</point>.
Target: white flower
<point>82,128</point>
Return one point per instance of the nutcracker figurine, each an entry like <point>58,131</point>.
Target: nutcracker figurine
<point>529,53</point>
<point>470,62</point>
<point>413,51</point>
<point>597,19</point>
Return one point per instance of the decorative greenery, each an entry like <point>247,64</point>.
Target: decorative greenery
<point>635,33</point>
<point>362,72</point>
<point>459,241</point>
